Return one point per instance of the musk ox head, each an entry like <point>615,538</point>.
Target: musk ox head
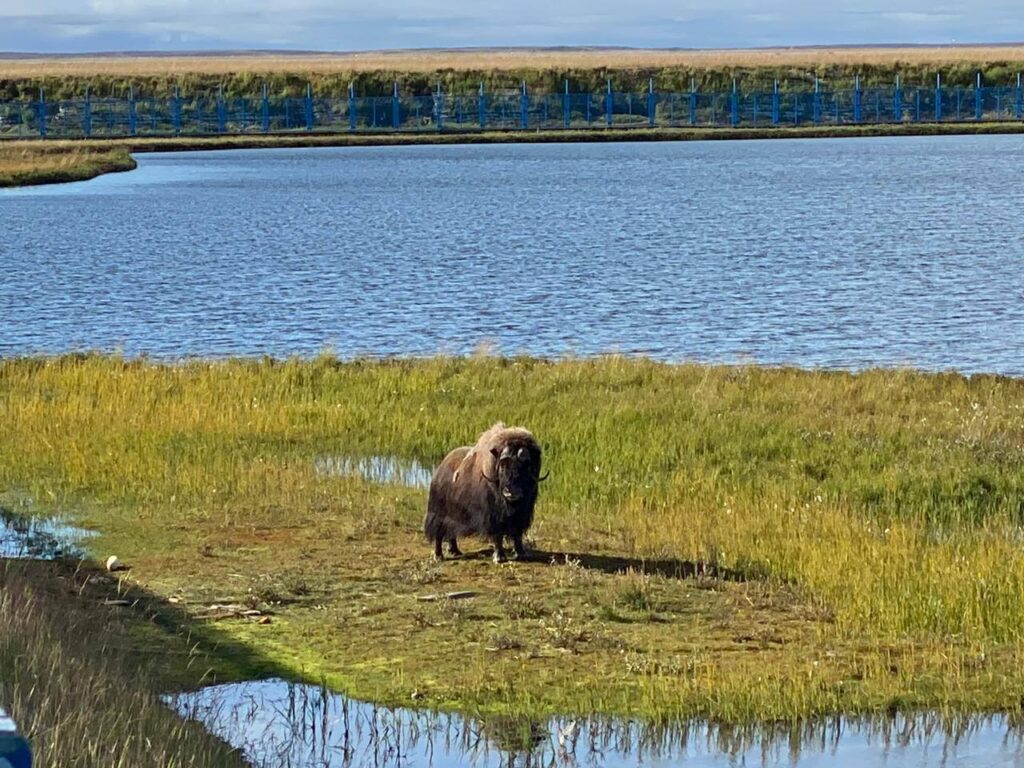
<point>509,458</point>
<point>516,470</point>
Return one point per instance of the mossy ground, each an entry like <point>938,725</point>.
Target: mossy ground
<point>732,542</point>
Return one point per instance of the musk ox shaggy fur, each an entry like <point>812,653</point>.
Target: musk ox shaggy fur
<point>488,490</point>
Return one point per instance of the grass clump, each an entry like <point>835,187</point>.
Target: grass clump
<point>30,163</point>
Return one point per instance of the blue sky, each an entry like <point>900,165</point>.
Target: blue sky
<point>49,26</point>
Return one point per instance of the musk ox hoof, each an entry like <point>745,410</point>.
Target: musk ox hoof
<point>437,557</point>
<point>499,557</point>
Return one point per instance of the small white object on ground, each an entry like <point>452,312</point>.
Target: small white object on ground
<point>113,564</point>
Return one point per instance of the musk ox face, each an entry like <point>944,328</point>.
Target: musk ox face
<point>516,471</point>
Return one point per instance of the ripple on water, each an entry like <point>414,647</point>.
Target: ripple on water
<point>277,723</point>
<point>845,253</point>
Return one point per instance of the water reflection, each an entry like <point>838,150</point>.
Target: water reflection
<point>30,538</point>
<point>276,723</point>
<point>385,470</point>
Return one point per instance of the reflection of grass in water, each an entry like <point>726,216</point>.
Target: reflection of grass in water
<point>289,722</point>
<point>800,542</point>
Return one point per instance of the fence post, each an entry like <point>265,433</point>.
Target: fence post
<point>651,103</point>
<point>917,105</point>
<point>352,115</point>
<point>308,106</point>
<point>439,107</point>
<point>221,116</point>
<point>132,121</point>
<point>693,101</point>
<point>265,110</point>
<point>608,104</point>
<point>524,109</point>
<point>395,109</point>
<point>816,111</point>
<point>977,98</point>
<point>482,107</point>
<point>775,103</point>
<point>41,113</point>
<point>566,107</point>
<point>734,106</point>
<point>176,112</point>
<point>897,102</point>
<point>1019,104</point>
<point>938,97</point>
<point>856,100</point>
<point>87,115</point>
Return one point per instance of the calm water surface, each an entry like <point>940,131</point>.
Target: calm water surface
<point>838,253</point>
<point>280,725</point>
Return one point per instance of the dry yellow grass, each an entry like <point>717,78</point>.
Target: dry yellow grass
<point>501,60</point>
<point>23,163</point>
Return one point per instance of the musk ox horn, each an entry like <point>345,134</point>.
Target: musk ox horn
<point>542,478</point>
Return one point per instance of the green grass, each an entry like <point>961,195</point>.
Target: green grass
<point>733,542</point>
<point>82,678</point>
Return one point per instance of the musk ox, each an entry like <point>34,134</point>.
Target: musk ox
<point>488,489</point>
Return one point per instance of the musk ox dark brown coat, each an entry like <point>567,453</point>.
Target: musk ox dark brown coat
<point>488,489</point>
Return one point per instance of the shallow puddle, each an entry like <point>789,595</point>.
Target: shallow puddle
<point>385,470</point>
<point>276,723</point>
<point>28,538</point>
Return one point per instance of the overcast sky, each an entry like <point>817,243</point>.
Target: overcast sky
<point>49,26</point>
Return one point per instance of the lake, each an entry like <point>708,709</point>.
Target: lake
<point>831,253</point>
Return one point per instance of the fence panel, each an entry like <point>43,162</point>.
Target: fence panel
<point>511,110</point>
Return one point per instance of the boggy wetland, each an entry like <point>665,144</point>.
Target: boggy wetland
<point>731,543</point>
<point>783,430</point>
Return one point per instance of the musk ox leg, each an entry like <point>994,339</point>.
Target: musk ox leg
<point>438,554</point>
<point>519,547</point>
<point>499,550</point>
<point>453,548</point>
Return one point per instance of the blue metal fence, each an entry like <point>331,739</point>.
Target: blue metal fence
<point>521,109</point>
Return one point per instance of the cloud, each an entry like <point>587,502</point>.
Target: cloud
<point>70,25</point>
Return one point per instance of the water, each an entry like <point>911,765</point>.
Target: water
<point>275,723</point>
<point>28,538</point>
<point>385,470</point>
<point>838,253</point>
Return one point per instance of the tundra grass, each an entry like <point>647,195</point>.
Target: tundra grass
<point>29,163</point>
<point>80,692</point>
<point>462,71</point>
<point>739,543</point>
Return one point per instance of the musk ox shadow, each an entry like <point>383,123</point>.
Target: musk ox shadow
<point>488,489</point>
<point>670,569</point>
